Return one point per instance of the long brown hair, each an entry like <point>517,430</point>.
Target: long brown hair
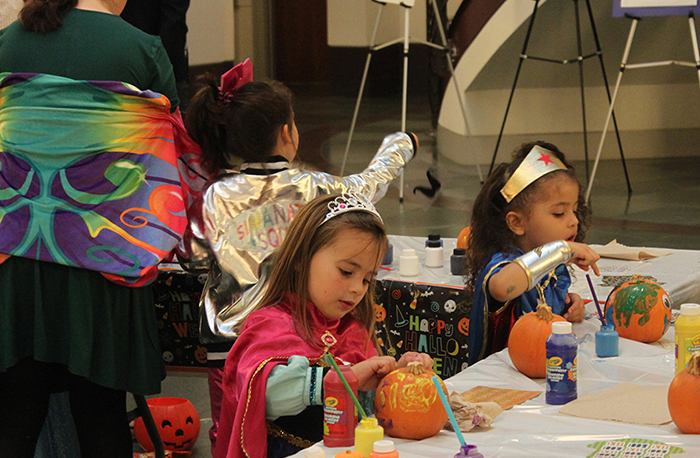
<point>306,236</point>
<point>489,232</point>
<point>245,128</point>
<point>43,16</point>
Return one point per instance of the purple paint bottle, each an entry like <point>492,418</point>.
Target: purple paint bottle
<point>469,451</point>
<point>562,351</point>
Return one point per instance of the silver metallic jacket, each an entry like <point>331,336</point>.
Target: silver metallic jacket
<point>243,219</point>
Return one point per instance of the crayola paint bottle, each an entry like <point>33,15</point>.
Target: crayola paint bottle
<point>339,415</point>
<point>562,351</point>
<point>687,334</point>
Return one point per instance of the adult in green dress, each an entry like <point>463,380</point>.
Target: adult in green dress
<point>65,328</point>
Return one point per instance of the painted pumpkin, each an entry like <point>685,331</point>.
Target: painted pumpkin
<point>684,397</point>
<point>640,309</point>
<point>177,422</point>
<point>527,341</point>
<point>463,238</point>
<point>407,403</point>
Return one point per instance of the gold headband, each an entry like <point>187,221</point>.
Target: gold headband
<point>538,162</point>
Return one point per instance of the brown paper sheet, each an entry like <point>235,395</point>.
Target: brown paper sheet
<point>626,403</point>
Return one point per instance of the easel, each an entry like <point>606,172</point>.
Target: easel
<point>407,5</point>
<point>579,59</point>
<point>690,11</point>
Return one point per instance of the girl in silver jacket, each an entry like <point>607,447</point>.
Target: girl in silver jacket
<point>244,214</point>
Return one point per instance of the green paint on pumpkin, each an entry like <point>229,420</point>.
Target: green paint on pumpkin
<point>635,299</point>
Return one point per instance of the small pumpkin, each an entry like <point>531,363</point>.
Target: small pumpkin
<point>528,338</point>
<point>177,422</point>
<point>463,238</point>
<point>684,397</point>
<point>640,309</point>
<point>407,404</point>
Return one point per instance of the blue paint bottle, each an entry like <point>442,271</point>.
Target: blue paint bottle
<point>606,341</point>
<point>562,351</point>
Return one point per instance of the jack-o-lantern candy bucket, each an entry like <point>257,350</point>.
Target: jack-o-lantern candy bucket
<point>177,422</point>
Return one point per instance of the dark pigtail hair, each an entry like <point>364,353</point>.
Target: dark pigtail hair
<point>246,127</point>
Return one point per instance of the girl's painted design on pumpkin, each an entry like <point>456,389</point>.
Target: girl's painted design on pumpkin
<point>640,309</point>
<point>407,404</point>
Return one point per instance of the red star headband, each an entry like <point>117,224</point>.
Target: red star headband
<point>538,162</point>
<point>232,80</point>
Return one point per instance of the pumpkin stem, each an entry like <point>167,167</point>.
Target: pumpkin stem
<point>544,312</point>
<point>694,364</point>
<point>636,278</point>
<point>415,368</point>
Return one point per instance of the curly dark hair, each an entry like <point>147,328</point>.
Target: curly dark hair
<point>245,128</point>
<point>490,233</point>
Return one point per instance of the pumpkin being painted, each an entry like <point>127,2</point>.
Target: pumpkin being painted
<point>528,339</point>
<point>177,422</point>
<point>640,309</point>
<point>407,404</point>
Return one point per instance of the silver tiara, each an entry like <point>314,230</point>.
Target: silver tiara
<point>349,202</point>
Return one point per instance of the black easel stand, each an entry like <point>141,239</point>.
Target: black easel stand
<point>580,58</point>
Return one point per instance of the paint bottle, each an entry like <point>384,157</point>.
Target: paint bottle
<point>409,266</point>
<point>469,451</point>
<point>366,434</point>
<point>458,261</point>
<point>433,238</point>
<point>607,341</point>
<point>314,452</point>
<point>434,254</point>
<point>562,351</point>
<point>389,255</point>
<point>687,334</point>
<point>339,415</point>
<point>384,449</point>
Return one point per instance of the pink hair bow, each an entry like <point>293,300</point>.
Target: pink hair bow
<point>233,79</point>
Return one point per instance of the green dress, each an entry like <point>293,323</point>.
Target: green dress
<point>54,313</point>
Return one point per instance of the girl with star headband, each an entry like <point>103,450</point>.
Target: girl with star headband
<point>527,224</point>
<point>319,301</point>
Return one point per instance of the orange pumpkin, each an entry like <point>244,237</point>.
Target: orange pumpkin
<point>177,422</point>
<point>640,309</point>
<point>407,403</point>
<point>528,338</point>
<point>463,238</point>
<point>684,397</point>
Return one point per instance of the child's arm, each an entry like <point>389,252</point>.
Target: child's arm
<point>525,272</point>
<point>292,387</point>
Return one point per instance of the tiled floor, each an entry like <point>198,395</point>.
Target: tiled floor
<point>663,211</point>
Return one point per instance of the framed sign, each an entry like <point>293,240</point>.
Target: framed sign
<point>642,8</point>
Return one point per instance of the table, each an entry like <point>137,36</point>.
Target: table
<point>427,313</point>
<point>678,273</point>
<point>533,428</point>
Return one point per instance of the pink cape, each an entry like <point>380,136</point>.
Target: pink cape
<point>269,338</point>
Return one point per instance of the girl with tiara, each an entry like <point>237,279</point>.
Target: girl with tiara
<point>245,213</point>
<point>319,301</point>
<point>527,224</point>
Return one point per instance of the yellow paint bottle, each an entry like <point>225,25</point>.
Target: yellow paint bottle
<point>366,434</point>
<point>687,334</point>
